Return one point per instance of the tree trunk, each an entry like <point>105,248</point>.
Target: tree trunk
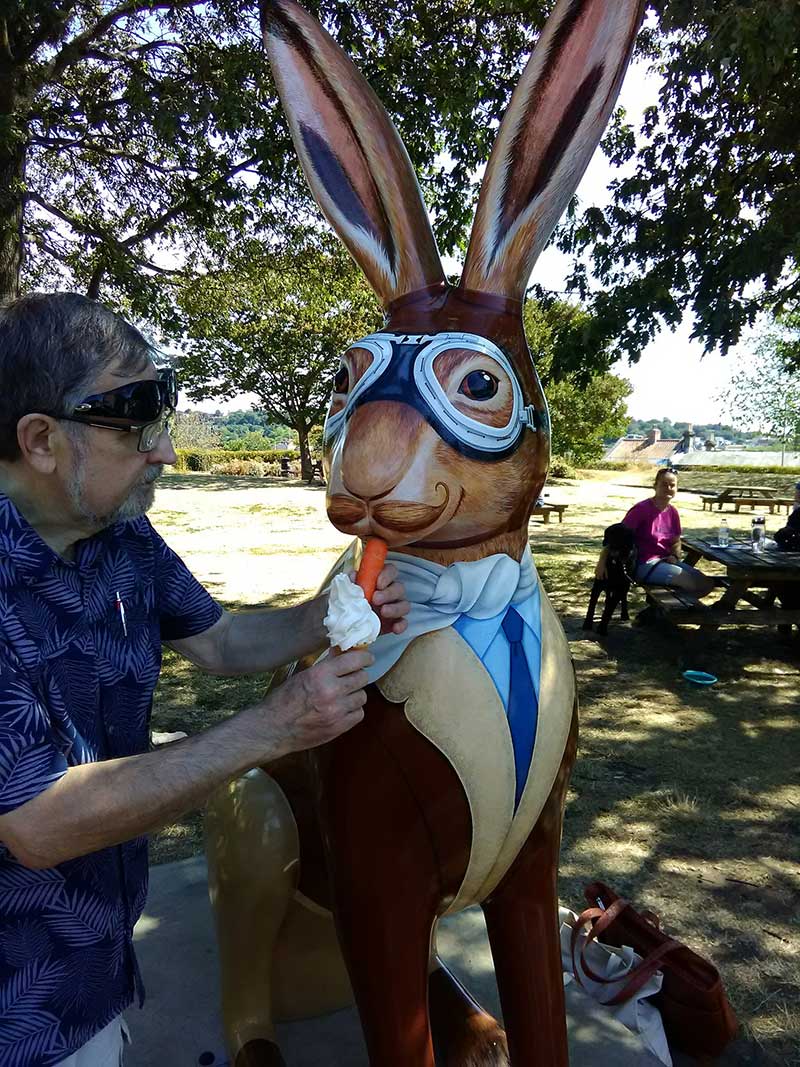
<point>306,466</point>
<point>12,194</point>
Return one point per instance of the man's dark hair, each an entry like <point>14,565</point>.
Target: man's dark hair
<point>53,346</point>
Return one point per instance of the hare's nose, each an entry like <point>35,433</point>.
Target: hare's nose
<point>383,439</point>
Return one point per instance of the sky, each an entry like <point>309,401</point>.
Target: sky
<point>673,378</point>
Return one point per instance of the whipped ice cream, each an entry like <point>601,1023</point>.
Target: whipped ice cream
<point>350,620</point>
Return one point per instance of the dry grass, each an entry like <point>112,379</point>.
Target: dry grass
<point>684,799</point>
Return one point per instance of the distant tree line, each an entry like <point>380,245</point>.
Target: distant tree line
<point>236,431</point>
<point>670,429</point>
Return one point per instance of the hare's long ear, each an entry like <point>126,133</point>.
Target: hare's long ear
<point>553,124</point>
<point>352,155</point>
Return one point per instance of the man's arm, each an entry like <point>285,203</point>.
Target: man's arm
<point>96,805</point>
<point>250,642</point>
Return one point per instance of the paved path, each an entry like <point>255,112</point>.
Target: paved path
<point>179,1026</point>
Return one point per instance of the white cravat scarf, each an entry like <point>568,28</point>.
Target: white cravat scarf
<point>439,595</point>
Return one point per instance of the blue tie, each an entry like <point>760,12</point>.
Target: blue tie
<point>522,703</point>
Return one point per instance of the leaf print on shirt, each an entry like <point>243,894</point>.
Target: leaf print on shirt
<point>20,711</point>
<point>26,769</point>
<point>63,590</point>
<point>22,888</point>
<point>30,988</point>
<point>24,940</point>
<point>80,920</point>
<point>14,634</point>
<point>86,974</point>
<point>38,620</point>
<point>23,1039</point>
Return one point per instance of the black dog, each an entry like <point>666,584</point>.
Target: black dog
<point>620,570</point>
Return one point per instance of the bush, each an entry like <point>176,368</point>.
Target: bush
<point>251,468</point>
<point>191,459</point>
<point>559,468</point>
<point>610,465</point>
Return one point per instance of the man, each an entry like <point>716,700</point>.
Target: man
<point>88,593</point>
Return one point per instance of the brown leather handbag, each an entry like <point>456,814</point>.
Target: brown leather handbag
<point>697,1016</point>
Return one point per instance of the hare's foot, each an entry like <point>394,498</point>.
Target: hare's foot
<point>464,1034</point>
<point>259,1053</point>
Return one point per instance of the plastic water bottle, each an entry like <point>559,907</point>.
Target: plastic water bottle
<point>758,533</point>
<point>723,534</point>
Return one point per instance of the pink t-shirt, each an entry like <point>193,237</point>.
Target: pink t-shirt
<point>656,531</point>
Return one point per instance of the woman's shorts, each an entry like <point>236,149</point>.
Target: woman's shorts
<point>661,573</point>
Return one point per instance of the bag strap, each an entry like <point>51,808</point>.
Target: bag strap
<point>600,919</point>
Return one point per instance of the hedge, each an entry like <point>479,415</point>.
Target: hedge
<point>723,469</point>
<point>193,459</point>
<point>607,465</point>
<point>686,468</point>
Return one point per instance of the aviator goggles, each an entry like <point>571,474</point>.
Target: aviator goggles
<point>403,369</point>
<point>144,407</point>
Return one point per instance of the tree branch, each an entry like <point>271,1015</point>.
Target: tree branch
<point>71,220</point>
<point>78,47</point>
<point>177,209</point>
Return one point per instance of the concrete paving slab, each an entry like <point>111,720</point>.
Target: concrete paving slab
<point>180,1026</point>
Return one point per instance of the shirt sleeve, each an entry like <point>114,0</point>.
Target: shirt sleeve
<point>634,517</point>
<point>185,608</point>
<point>30,759</point>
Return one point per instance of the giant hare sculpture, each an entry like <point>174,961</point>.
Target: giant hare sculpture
<point>451,791</point>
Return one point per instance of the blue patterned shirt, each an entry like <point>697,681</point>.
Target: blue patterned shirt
<point>76,688</point>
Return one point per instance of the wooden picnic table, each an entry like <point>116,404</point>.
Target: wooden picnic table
<point>751,496</point>
<point>747,573</point>
<point>546,510</point>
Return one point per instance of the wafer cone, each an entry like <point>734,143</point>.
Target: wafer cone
<point>337,651</point>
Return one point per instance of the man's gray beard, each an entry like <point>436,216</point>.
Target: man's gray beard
<point>139,500</point>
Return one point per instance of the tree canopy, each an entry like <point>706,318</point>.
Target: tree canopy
<point>140,137</point>
<point>275,323</point>
<point>705,215</point>
<point>765,393</point>
<point>587,402</point>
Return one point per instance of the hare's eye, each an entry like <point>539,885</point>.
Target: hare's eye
<point>479,385</point>
<point>341,383</point>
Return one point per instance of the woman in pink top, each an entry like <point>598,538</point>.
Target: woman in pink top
<point>657,527</point>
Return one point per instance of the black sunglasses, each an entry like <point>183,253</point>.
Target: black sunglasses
<point>146,406</point>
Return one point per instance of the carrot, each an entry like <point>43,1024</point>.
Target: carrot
<point>371,565</point>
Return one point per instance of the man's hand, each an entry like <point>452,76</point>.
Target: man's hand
<point>316,705</point>
<point>390,602</point>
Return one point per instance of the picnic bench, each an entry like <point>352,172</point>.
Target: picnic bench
<point>750,588</point>
<point>751,496</point>
<point>546,510</point>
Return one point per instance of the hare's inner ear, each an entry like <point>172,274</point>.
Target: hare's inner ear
<point>352,156</point>
<point>554,123</point>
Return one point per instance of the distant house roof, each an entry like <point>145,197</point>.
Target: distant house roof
<point>651,449</point>
<point>730,457</point>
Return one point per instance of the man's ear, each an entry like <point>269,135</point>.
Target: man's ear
<point>35,436</point>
